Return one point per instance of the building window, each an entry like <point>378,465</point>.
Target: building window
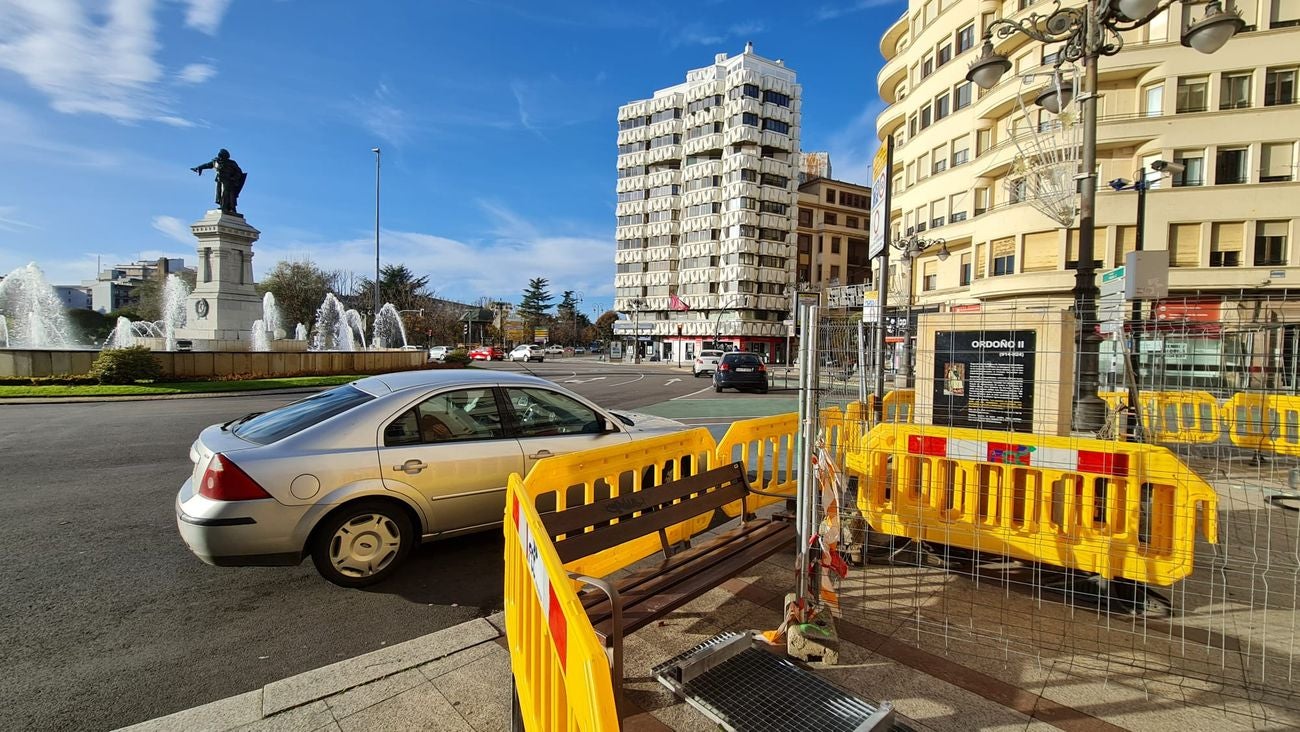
<point>776,98</point>
<point>776,125</point>
<point>1234,91</point>
<point>805,244</point>
<point>957,216</point>
<point>927,67</point>
<point>1225,244</point>
<point>1275,165</point>
<point>1004,265</point>
<point>851,222</point>
<point>748,118</point>
<point>1193,94</point>
<point>941,108</point>
<point>830,219</point>
<point>1279,87</point>
<point>1270,243</point>
<point>964,274</point>
<point>1024,4</point>
<point>855,200</point>
<point>966,38</point>
<point>1153,100</point>
<point>805,216</point>
<point>830,195</point>
<point>939,165</point>
<point>925,116</point>
<point>835,245</point>
<point>944,55</point>
<point>1283,14</point>
<point>750,90</point>
<point>961,96</point>
<point>1230,166</point>
<point>960,157</point>
<point>929,282</point>
<point>1193,162</point>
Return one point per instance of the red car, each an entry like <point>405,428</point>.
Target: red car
<point>487,353</point>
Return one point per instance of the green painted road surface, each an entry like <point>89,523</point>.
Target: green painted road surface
<point>732,407</point>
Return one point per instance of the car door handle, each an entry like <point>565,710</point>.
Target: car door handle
<point>411,467</point>
<point>541,454</point>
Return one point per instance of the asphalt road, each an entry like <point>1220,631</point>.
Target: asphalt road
<point>107,619</point>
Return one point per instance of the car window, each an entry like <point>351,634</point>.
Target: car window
<point>540,412</point>
<point>290,419</point>
<point>710,354</point>
<point>454,416</point>
<point>743,359</point>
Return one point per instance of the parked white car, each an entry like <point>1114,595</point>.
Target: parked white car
<point>357,476</point>
<point>706,362</point>
<point>554,350</point>
<point>527,353</point>
<point>438,354</point>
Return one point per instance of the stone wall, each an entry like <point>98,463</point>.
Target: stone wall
<point>201,365</point>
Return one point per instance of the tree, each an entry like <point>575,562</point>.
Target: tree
<point>537,300</point>
<point>299,288</point>
<point>92,326</point>
<point>605,325</point>
<point>397,285</point>
<point>568,321</point>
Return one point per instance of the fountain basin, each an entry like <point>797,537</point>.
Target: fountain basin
<point>199,365</point>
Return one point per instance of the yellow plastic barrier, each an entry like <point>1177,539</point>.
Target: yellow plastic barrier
<point>561,672</point>
<point>899,405</point>
<point>579,478</point>
<point>1264,422</point>
<point>1184,417</point>
<point>1115,509</point>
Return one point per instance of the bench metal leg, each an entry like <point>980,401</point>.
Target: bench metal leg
<point>615,636</point>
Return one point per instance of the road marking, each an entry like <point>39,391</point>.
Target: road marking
<point>685,396</point>
<point>632,381</point>
<point>582,381</point>
<point>671,381</point>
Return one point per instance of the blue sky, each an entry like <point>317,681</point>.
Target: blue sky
<point>497,122</point>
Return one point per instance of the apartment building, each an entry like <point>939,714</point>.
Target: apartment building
<point>834,222</point>
<point>1229,218</point>
<point>707,176</point>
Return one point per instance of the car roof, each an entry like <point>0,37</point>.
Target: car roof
<point>388,383</point>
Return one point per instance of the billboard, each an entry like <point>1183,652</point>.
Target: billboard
<point>880,179</point>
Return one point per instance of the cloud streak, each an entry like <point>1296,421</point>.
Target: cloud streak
<point>174,228</point>
<point>196,73</point>
<point>830,12</point>
<point>696,34</point>
<point>205,16</point>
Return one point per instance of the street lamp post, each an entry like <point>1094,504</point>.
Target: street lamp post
<point>912,247</point>
<point>375,150</point>
<point>637,304</point>
<point>1088,33</point>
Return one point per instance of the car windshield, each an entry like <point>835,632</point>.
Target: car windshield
<point>743,359</point>
<point>278,424</point>
<point>711,354</point>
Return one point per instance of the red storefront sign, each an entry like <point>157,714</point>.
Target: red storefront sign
<point>1190,310</point>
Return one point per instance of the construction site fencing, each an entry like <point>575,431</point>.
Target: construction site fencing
<point>1172,584</point>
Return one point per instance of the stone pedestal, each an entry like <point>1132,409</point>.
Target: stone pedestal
<point>224,303</point>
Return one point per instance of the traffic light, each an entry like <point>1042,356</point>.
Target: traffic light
<point>464,329</point>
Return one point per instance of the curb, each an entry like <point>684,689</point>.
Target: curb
<point>312,686</point>
<point>157,397</point>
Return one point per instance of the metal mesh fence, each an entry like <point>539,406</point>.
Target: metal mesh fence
<point>1120,578</point>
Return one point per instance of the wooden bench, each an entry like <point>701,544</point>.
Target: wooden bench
<point>624,605</point>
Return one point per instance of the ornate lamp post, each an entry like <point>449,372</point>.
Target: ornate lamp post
<point>636,304</point>
<point>1089,32</point>
<point>912,247</point>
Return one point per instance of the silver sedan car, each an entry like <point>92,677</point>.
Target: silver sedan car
<point>356,476</point>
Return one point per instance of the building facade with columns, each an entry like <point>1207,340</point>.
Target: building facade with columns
<point>1229,218</point>
<point>707,184</point>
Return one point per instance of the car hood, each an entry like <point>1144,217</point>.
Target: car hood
<point>648,423</point>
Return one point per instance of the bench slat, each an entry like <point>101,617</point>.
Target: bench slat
<point>578,545</point>
<point>577,518</point>
<point>729,541</point>
<point>647,604</point>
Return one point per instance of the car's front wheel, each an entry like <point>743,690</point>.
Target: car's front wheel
<point>362,543</point>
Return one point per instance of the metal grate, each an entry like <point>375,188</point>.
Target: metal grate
<point>759,691</point>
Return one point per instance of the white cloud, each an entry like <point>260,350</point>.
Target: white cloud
<point>381,116</point>
<point>498,266</point>
<point>205,15</point>
<point>91,57</point>
<point>697,34</point>
<point>196,73</point>
<point>854,145</point>
<point>830,12</point>
<point>9,222</point>
<point>174,228</point>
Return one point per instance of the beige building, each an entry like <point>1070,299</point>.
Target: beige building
<point>1229,219</point>
<point>707,172</point>
<point>834,220</point>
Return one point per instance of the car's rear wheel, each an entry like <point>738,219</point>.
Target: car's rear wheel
<point>362,543</point>
<point>717,388</point>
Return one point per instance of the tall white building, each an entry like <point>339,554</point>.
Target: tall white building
<point>707,185</point>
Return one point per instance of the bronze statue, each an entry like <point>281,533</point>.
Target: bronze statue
<point>230,180</point>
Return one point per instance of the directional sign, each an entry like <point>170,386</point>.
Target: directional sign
<point>1110,308</point>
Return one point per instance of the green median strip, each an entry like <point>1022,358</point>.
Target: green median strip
<point>174,387</point>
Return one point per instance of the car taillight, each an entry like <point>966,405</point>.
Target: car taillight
<point>724,367</point>
<point>225,481</point>
<point>761,367</point>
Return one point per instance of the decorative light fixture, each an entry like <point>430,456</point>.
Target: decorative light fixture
<point>1208,34</point>
<point>988,68</point>
<point>1056,96</point>
<point>1137,9</point>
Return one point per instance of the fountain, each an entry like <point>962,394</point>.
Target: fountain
<point>4,331</point>
<point>332,331</point>
<point>122,335</point>
<point>175,292</point>
<point>300,332</point>
<point>35,316</point>
<point>356,328</point>
<point>267,329</point>
<point>389,331</point>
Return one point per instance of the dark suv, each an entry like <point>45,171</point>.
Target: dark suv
<point>741,370</point>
